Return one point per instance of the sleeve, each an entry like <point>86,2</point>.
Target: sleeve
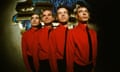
<point>70,52</point>
<point>52,51</point>
<point>24,53</point>
<point>95,46</point>
<point>36,51</point>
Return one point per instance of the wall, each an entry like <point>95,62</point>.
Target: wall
<point>10,39</point>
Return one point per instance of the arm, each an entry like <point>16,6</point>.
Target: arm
<point>95,46</point>
<point>70,53</point>
<point>24,54</point>
<point>36,51</point>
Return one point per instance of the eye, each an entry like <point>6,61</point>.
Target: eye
<point>87,11</point>
<point>79,11</point>
<point>49,15</point>
<point>59,12</point>
<point>37,17</point>
<point>43,15</point>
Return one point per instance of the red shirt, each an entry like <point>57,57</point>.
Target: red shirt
<point>56,41</point>
<point>41,46</point>
<point>43,43</point>
<point>78,46</point>
<point>27,45</point>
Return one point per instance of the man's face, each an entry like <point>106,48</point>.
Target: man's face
<point>82,14</point>
<point>62,15</point>
<point>35,20</point>
<point>47,17</point>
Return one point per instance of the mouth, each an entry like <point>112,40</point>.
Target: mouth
<point>63,18</point>
<point>85,17</point>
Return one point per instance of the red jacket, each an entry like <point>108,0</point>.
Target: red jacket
<point>41,46</point>
<point>27,46</point>
<point>56,41</point>
<point>78,47</point>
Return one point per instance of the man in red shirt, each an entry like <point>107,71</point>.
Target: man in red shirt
<point>27,42</point>
<point>41,44</point>
<point>82,43</point>
<point>57,41</point>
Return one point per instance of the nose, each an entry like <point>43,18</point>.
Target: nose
<point>63,14</point>
<point>84,13</point>
<point>33,20</point>
<point>46,17</point>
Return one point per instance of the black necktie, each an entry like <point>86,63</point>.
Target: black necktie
<point>90,44</point>
<point>49,32</point>
<point>64,58</point>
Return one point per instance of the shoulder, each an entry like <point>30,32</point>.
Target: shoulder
<point>25,33</point>
<point>41,29</point>
<point>53,31</point>
<point>71,25</point>
<point>93,26</point>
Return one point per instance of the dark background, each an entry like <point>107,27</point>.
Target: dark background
<point>105,15</point>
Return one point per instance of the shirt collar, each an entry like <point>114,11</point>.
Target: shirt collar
<point>34,29</point>
<point>82,26</point>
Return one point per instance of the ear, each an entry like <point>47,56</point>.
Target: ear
<point>76,16</point>
<point>56,18</point>
<point>53,18</point>
<point>89,15</point>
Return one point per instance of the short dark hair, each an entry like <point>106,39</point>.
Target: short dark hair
<point>34,13</point>
<point>80,4</point>
<point>66,7</point>
<point>47,9</point>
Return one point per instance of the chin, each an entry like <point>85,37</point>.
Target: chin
<point>34,24</point>
<point>64,21</point>
<point>85,20</point>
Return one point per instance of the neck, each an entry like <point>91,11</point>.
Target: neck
<point>37,27</point>
<point>83,22</point>
<point>48,25</point>
<point>34,27</point>
<point>63,23</point>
